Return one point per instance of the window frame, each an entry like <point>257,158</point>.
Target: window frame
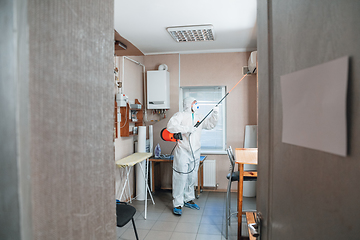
<point>216,151</point>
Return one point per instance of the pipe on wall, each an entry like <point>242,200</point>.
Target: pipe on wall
<point>143,68</point>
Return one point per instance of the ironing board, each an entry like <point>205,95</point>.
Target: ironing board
<point>130,161</point>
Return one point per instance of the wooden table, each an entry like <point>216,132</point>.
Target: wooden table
<point>168,160</point>
<point>244,156</point>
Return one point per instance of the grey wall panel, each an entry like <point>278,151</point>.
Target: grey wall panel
<point>71,103</point>
<point>264,115</point>
<point>23,120</point>
<point>313,195</point>
<point>9,200</point>
<point>15,185</point>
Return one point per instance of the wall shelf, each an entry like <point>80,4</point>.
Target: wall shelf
<point>126,119</point>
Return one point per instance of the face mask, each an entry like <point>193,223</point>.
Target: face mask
<point>195,107</point>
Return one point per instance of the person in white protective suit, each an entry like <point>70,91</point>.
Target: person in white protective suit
<point>187,152</point>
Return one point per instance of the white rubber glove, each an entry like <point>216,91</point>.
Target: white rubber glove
<point>216,109</point>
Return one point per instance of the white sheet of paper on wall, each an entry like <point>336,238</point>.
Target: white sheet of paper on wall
<point>314,107</point>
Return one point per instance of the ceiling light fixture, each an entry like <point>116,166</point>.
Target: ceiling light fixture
<point>196,33</point>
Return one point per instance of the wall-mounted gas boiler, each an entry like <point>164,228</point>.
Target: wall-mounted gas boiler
<point>158,89</point>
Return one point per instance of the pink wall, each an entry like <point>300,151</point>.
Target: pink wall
<point>221,69</point>
<point>172,61</point>
<point>133,87</point>
<point>211,69</point>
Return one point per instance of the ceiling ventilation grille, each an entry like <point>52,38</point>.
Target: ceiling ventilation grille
<point>197,33</point>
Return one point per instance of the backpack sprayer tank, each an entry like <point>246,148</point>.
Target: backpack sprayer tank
<point>170,137</point>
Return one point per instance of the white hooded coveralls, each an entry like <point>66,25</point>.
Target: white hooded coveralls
<point>183,184</point>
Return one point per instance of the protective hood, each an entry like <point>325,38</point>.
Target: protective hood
<point>187,104</point>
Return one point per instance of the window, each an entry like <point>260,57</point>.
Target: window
<point>212,141</point>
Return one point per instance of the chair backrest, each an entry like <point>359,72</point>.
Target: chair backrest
<point>231,158</point>
<point>124,213</point>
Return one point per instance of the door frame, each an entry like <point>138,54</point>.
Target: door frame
<point>265,118</point>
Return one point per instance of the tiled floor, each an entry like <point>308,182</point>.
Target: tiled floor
<point>208,223</point>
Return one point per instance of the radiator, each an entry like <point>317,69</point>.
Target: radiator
<point>209,173</point>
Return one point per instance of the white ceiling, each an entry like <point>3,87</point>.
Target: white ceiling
<point>144,23</point>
